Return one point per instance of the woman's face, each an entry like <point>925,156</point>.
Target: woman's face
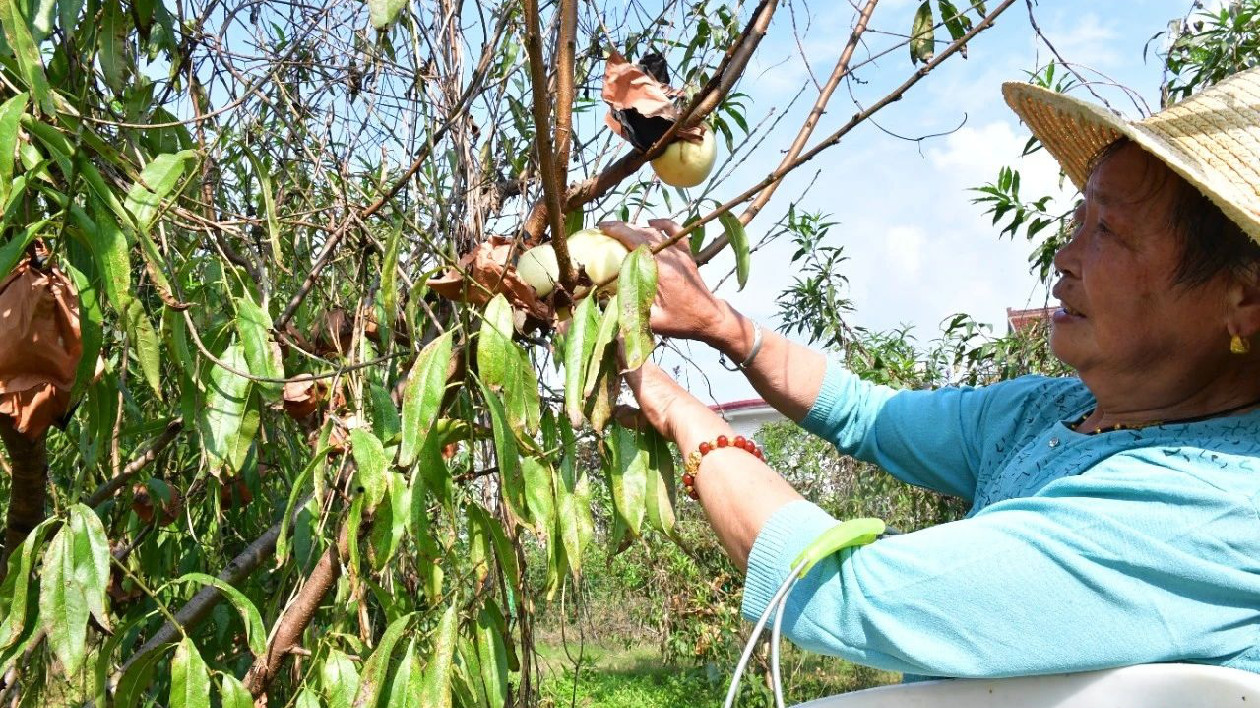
<point>1122,317</point>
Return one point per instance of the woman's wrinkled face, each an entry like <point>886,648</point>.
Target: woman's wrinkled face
<point>1121,314</point>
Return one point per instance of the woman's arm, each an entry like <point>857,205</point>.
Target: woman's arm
<point>787,375</point>
<point>737,490</point>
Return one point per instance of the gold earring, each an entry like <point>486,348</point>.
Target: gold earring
<point>1238,345</point>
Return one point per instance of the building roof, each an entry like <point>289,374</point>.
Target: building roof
<point>745,404</point>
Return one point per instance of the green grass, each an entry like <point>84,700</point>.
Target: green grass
<point>635,677</point>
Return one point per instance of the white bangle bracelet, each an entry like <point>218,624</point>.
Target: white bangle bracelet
<point>752,353</point>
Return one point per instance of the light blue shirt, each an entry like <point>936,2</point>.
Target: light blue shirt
<point>1080,552</point>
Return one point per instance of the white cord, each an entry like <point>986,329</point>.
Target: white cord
<point>779,598</point>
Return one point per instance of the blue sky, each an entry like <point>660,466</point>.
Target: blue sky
<point>918,250</point>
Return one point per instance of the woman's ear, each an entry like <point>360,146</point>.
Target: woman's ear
<point>1243,318</point>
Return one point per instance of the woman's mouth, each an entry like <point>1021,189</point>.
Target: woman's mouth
<point>1066,310</point>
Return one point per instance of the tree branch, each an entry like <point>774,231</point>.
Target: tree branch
<point>297,616</point>
<point>782,171</point>
<point>141,461</point>
<point>731,68</point>
<point>820,107</point>
<point>552,180</point>
<point>201,604</point>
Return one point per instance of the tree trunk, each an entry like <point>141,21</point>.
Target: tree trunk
<point>28,490</point>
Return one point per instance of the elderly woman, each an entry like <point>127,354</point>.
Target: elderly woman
<point>1114,516</point>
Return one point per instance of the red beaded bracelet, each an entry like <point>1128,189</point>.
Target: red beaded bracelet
<point>691,466</point>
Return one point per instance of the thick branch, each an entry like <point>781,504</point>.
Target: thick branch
<point>820,107</point>
<point>297,616</point>
<point>705,102</point>
<point>28,492</point>
<point>552,181</point>
<point>564,88</point>
<point>895,95</point>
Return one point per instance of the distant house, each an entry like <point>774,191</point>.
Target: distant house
<point>1019,320</point>
<point>747,416</point>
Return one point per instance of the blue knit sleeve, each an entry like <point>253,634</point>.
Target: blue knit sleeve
<point>1135,561</point>
<point>926,438</point>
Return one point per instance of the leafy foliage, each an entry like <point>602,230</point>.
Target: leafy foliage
<point>1210,46</point>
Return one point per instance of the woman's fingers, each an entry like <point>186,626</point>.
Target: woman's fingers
<point>669,229</point>
<point>632,236</point>
<point>629,235</point>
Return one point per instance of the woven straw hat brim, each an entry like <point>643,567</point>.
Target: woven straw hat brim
<point>1211,139</point>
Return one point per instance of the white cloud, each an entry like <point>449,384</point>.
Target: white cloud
<point>904,247</point>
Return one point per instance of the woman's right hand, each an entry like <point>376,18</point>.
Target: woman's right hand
<point>684,308</point>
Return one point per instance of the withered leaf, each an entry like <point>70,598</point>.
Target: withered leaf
<point>486,271</point>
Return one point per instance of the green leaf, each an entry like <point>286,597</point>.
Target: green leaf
<point>269,206</point>
<point>573,507</point>
<point>339,680</point>
<point>422,397</point>
<point>262,353</point>
<point>376,668</point>
<point>383,12</point>
<point>404,690</point>
<point>255,632</point>
<point>956,23</point>
<point>11,253</point>
<point>578,345</point>
<point>369,458</point>
<point>224,429</point>
<point>109,249</point>
<point>636,289</point>
<point>538,490</point>
<point>738,239</point>
<point>133,685</point>
<point>233,694</point>
<point>190,679</point>
<point>507,453</point>
<point>15,592</point>
<point>295,490</point>
<point>389,274</point>
<point>156,182</point>
<point>628,477</point>
<point>492,653</point>
<point>436,689</point>
<point>26,51</point>
<point>68,13</point>
<point>11,112</point>
<point>922,35</point>
<point>573,221</point>
<point>91,560</point>
<point>306,698</point>
<point>64,607</point>
<point>505,367</point>
<point>113,52</point>
<point>90,330</point>
<point>603,339</point>
<point>42,16</point>
<point>661,491</point>
<point>147,346</point>
<point>391,521</point>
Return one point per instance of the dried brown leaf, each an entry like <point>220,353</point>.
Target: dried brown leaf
<point>486,271</point>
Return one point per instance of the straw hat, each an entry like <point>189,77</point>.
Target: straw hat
<point>1212,139</point>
